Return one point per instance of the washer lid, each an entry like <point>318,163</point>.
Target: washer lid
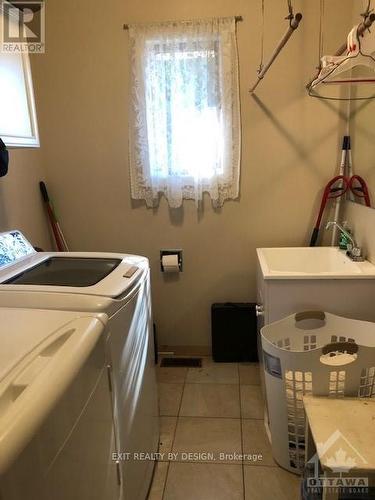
<point>66,271</point>
<point>23,330</point>
<point>89,273</point>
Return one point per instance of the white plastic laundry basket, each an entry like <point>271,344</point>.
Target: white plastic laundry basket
<point>317,353</point>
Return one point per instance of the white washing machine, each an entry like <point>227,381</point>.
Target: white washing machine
<point>119,286</point>
<point>56,423</point>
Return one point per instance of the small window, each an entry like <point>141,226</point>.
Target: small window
<point>18,125</point>
<point>185,125</point>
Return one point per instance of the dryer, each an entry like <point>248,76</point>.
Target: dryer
<point>56,425</point>
<point>119,286</point>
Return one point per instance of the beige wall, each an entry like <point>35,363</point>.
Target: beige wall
<point>290,149</point>
<point>361,128</point>
<point>20,201</point>
<point>362,222</point>
<point>362,134</point>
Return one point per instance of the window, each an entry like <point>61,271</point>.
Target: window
<point>18,125</point>
<point>185,126</point>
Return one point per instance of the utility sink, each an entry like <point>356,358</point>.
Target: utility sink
<point>311,263</point>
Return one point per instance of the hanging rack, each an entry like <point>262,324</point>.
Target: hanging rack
<point>294,21</point>
<point>236,18</point>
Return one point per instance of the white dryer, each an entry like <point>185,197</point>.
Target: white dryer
<point>119,286</point>
<point>56,425</point>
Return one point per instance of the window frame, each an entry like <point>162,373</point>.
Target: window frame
<point>32,140</point>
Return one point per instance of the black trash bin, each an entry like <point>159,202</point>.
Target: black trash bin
<point>234,332</point>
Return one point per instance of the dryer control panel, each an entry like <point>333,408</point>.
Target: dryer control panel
<point>13,246</point>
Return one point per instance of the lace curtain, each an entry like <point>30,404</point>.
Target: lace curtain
<point>185,119</point>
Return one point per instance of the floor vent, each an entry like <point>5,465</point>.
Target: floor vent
<point>181,362</point>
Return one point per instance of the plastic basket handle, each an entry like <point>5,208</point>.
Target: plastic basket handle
<point>349,347</point>
<point>310,315</point>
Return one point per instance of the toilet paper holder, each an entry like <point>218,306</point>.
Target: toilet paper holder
<point>177,252</point>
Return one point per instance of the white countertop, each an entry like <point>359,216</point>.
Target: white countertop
<point>343,431</point>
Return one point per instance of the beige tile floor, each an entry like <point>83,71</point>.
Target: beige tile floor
<point>208,416</point>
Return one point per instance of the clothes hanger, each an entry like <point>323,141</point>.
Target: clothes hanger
<point>350,71</point>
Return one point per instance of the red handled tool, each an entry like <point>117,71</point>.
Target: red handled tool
<point>358,187</point>
<point>336,188</point>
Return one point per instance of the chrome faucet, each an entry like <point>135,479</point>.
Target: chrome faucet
<point>353,251</point>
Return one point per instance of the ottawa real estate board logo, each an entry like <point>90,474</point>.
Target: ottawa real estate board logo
<point>344,463</point>
<point>22,27</point>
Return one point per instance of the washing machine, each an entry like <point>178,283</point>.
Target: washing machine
<point>56,424</point>
<point>119,286</point>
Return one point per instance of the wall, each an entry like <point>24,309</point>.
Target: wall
<point>363,141</point>
<point>361,126</point>
<point>20,200</point>
<point>291,146</point>
<point>362,221</point>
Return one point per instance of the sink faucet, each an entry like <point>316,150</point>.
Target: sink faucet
<point>354,251</point>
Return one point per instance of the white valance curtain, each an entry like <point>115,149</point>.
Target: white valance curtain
<point>185,119</point>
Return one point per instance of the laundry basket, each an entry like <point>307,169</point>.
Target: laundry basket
<point>317,353</point>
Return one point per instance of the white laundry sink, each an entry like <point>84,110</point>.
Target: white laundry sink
<point>311,263</point>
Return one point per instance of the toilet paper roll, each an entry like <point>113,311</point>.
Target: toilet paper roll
<point>170,263</point>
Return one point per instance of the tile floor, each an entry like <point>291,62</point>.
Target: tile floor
<point>208,416</point>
